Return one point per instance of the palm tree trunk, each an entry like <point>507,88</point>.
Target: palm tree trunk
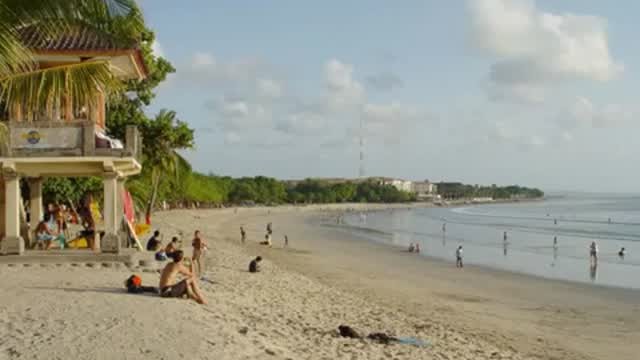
<point>155,185</point>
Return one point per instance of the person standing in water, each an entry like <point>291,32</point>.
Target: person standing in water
<point>593,253</point>
<point>459,257</point>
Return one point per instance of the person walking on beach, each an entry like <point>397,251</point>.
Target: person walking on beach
<point>269,230</point>
<point>593,253</point>
<point>417,248</point>
<point>199,245</point>
<point>504,237</point>
<point>188,286</point>
<point>459,257</point>
<point>243,234</point>
<point>444,228</point>
<point>286,241</point>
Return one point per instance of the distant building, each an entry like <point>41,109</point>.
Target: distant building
<point>424,187</point>
<point>400,184</point>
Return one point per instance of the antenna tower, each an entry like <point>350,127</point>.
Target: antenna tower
<point>361,171</point>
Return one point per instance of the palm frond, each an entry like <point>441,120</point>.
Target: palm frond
<point>4,138</point>
<point>120,19</point>
<point>80,81</point>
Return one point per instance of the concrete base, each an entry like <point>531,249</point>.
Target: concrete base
<point>56,256</point>
<point>12,245</point>
<point>109,243</point>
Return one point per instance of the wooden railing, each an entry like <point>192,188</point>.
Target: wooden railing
<point>64,138</point>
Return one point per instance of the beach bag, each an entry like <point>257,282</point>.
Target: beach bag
<point>133,284</point>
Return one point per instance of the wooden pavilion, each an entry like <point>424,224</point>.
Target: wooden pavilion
<point>67,139</point>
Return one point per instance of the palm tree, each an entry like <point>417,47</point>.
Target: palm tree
<point>163,136</point>
<point>21,80</point>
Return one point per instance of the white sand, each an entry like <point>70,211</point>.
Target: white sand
<point>290,310</point>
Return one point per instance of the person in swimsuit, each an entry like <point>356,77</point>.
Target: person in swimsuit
<point>593,252</point>
<point>172,246</point>
<point>198,247</point>
<point>459,257</point>
<point>169,288</point>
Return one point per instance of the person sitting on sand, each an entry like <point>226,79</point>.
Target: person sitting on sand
<point>459,257</point>
<point>621,253</point>
<point>44,236</point>
<point>267,240</point>
<point>412,248</point>
<point>187,286</point>
<point>254,265</point>
<point>171,246</point>
<point>154,243</point>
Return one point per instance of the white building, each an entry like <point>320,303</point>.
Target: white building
<point>403,185</point>
<point>424,189</point>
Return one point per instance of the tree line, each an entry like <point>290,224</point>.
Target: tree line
<point>464,191</point>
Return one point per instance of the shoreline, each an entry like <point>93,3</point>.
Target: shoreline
<point>545,297</point>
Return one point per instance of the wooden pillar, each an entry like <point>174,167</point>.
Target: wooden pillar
<point>12,243</point>
<point>110,243</point>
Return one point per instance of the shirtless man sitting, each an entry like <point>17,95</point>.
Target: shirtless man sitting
<point>188,286</point>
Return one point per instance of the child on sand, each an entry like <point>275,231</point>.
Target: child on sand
<point>254,265</point>
<point>459,257</point>
<point>199,245</point>
<point>188,286</point>
<point>267,240</point>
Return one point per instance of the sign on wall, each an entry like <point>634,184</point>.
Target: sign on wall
<point>46,138</point>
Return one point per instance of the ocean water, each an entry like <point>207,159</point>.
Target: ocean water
<point>575,220</point>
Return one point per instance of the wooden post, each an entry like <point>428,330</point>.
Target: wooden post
<point>110,242</point>
<point>12,243</point>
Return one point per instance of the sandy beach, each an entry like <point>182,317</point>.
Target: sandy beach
<point>291,310</point>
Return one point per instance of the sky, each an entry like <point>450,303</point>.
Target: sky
<point>537,93</point>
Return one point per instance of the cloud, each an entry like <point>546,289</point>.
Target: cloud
<point>582,113</point>
<point>269,88</point>
<point>384,81</point>
<point>344,91</point>
<point>201,59</point>
<point>249,104</point>
<point>534,48</point>
<point>157,49</point>
<point>502,134</point>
